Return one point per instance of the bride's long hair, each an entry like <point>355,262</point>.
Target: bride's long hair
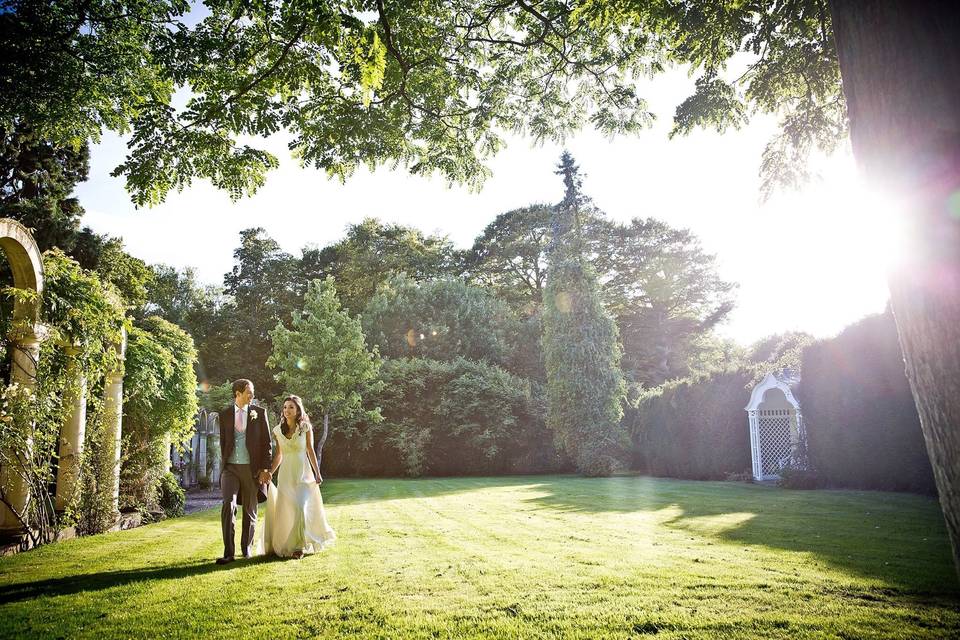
<point>303,420</point>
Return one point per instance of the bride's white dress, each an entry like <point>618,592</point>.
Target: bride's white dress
<point>295,518</point>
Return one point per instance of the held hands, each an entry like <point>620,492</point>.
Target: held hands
<point>264,477</point>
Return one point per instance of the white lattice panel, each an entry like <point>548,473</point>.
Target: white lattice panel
<point>775,444</point>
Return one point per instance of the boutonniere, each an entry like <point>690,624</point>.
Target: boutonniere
<point>253,414</point>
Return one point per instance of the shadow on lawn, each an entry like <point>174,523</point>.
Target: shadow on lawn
<point>897,538</point>
<point>108,579</point>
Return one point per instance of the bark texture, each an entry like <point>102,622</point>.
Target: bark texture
<point>900,65</point>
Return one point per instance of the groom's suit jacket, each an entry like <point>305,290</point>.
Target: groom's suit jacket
<point>258,442</point>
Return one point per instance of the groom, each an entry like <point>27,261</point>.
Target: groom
<point>245,447</point>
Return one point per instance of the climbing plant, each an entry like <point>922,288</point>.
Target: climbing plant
<point>83,318</point>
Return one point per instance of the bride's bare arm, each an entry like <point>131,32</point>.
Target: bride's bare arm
<point>277,457</point>
<point>312,457</point>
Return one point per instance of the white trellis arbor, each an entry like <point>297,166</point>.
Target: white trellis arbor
<point>777,435</point>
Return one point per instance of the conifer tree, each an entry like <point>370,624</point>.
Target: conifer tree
<point>585,386</point>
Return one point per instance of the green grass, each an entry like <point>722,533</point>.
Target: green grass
<point>518,557</point>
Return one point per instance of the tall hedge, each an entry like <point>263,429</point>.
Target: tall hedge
<point>862,424</point>
<point>693,428</point>
<point>446,418</point>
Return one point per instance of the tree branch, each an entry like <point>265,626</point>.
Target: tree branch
<point>258,79</point>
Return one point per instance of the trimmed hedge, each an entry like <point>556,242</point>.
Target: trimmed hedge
<point>862,425</point>
<point>695,429</point>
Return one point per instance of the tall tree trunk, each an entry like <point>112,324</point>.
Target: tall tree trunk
<point>319,442</point>
<point>900,64</point>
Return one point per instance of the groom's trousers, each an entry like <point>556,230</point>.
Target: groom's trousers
<point>236,484</point>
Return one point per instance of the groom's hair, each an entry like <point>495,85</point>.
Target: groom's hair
<point>239,386</point>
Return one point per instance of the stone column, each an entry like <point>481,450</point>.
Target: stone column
<point>25,341</point>
<point>194,459</point>
<point>213,448</point>
<point>167,447</point>
<point>202,476</point>
<point>73,430</point>
<point>112,428</point>
<point>177,459</point>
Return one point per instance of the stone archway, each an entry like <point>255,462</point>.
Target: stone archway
<point>25,338</point>
<point>26,335</point>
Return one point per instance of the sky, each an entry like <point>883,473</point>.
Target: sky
<point>812,260</point>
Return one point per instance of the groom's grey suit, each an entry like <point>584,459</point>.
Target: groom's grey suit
<point>240,480</point>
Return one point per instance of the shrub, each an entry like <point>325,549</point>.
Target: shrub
<point>447,418</point>
<point>740,476</point>
<point>791,478</point>
<point>171,496</point>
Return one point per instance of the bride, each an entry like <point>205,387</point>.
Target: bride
<point>295,521</point>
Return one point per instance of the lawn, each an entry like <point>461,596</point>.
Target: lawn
<point>518,557</point>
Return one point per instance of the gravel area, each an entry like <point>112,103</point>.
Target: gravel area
<point>199,500</point>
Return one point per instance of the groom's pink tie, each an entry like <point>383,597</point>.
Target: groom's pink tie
<point>238,421</point>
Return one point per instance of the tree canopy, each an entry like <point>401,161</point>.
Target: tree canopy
<point>430,86</point>
<point>656,280</point>
<point>371,253</point>
<point>440,320</point>
<point>666,295</point>
<point>262,289</point>
<point>510,256</point>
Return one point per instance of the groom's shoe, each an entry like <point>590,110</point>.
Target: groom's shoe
<point>225,560</point>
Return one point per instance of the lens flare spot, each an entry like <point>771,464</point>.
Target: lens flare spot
<point>301,364</point>
<point>953,205</point>
<point>411,338</point>
<point>563,302</point>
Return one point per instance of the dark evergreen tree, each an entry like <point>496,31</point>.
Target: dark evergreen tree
<point>36,179</point>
